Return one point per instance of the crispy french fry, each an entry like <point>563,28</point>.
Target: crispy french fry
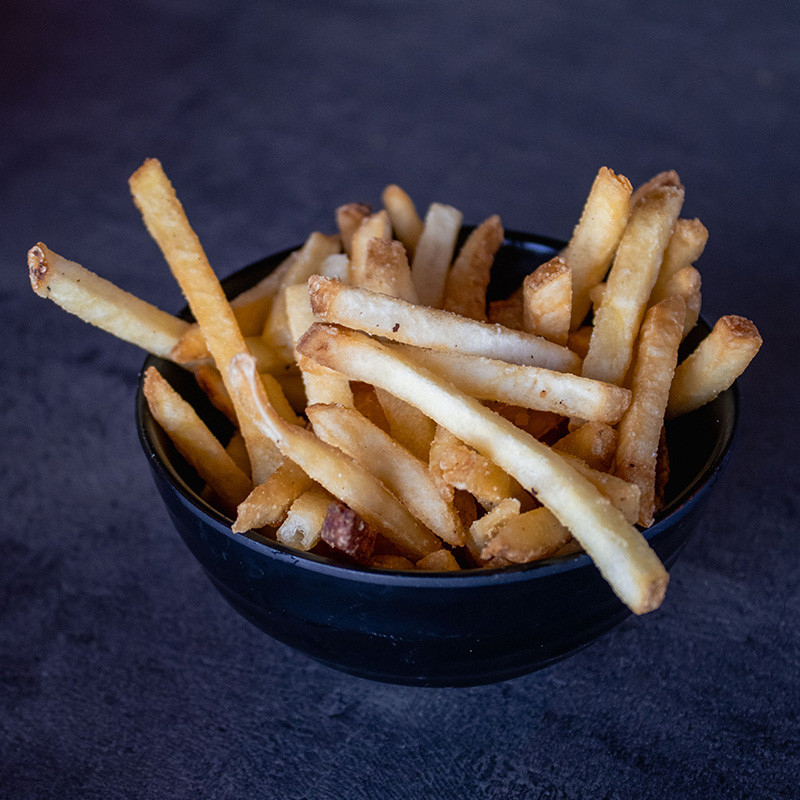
<point>579,340</point>
<point>547,301</point>
<point>302,527</point>
<point>386,270</point>
<point>375,226</point>
<point>507,312</point>
<point>667,178</point>
<point>404,217</point>
<point>269,502</point>
<point>403,474</point>
<point>237,450</point>
<point>596,237</point>
<point>405,322</point>
<point>194,441</point>
<point>629,284</point>
<point>210,381</point>
<point>439,561</point>
<point>593,442</point>
<point>407,424</point>
<point>641,426</point>
<point>622,493</point>
<point>713,367</point>
<point>343,477</point>
<point>166,221</point>
<point>99,302</point>
<point>686,284</point>
<point>527,537</point>
<point>344,530</point>
<point>617,548</point>
<point>434,252</point>
<point>530,387</point>
<point>365,401</point>
<point>348,218</point>
<point>686,245</point>
<point>483,530</point>
<point>541,425</point>
<point>468,278</point>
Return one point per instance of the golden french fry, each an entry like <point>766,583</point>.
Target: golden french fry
<point>527,537</point>
<point>99,302</point>
<point>686,245</point>
<point>578,341</point>
<point>269,502</point>
<point>507,312</point>
<point>166,221</point>
<point>623,494</point>
<point>434,252</point>
<point>529,387</point>
<point>617,548</point>
<point>630,281</point>
<point>403,474</point>
<point>483,530</point>
<point>375,226</point>
<point>237,450</point>
<point>547,301</point>
<point>365,401</point>
<point>348,218</point>
<point>596,237</point>
<point>407,424</point>
<point>404,217</point>
<point>302,527</point>
<point>210,381</point>
<point>593,442</point>
<point>405,322</point>
<point>640,428</point>
<point>667,178</point>
<point>343,477</point>
<point>386,270</point>
<point>439,561</point>
<point>686,284</point>
<point>194,441</point>
<point>713,367</point>
<point>468,278</point>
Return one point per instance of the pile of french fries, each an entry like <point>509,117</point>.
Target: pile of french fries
<point>385,412</point>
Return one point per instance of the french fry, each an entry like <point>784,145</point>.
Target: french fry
<point>713,367</point>
<point>403,474</point>
<point>483,530</point>
<point>439,561</point>
<point>616,547</point>
<point>667,178</point>
<point>375,226</point>
<point>468,278</point>
<point>629,284</point>
<point>348,218</point>
<point>593,442</point>
<point>507,312</point>
<point>403,214</point>
<point>386,270</point>
<point>434,252</point>
<point>302,527</point>
<point>526,537</point>
<point>210,381</point>
<point>686,284</point>
<point>343,477</point>
<point>530,387</point>
<point>194,441</point>
<point>686,245</point>
<point>308,262</point>
<point>405,322</point>
<point>269,502</point>
<point>579,340</point>
<point>166,221</point>
<point>365,401</point>
<point>640,428</point>
<point>547,301</point>
<point>596,237</point>
<point>390,561</point>
<point>237,450</point>
<point>344,530</point>
<point>407,424</point>
<point>623,494</point>
<point>101,303</point>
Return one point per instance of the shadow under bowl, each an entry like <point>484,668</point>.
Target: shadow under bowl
<point>427,629</point>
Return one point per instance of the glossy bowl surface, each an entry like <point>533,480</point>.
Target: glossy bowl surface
<point>431,629</point>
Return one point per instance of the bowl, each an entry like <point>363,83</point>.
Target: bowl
<point>427,629</point>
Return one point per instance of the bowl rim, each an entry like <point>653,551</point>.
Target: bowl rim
<point>482,576</point>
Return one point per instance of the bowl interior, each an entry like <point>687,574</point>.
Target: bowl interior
<point>698,442</point>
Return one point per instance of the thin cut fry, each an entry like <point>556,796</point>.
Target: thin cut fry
<point>629,284</point>
<point>375,226</point>
<point>439,561</point>
<point>348,218</point>
<point>167,223</point>
<point>617,548</point>
<point>483,530</point>
<point>686,245</point>
<point>434,252</point>
<point>344,478</point>
<point>407,424</point>
<point>404,217</point>
<point>640,428</point>
<point>713,367</point>
<point>302,527</point>
<point>99,302</point>
<point>527,537</point>
<point>386,270</point>
<point>547,301</point>
<point>667,178</point>
<point>686,284</point>
<point>405,322</point>
<point>594,442</point>
<point>194,441</point>
<point>507,312</point>
<point>596,237</point>
<point>465,289</point>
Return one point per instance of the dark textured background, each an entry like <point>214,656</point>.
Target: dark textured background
<point>122,672</point>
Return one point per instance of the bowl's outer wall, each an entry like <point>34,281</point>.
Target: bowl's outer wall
<point>457,629</point>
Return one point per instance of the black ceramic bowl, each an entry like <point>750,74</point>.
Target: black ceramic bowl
<point>431,629</point>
